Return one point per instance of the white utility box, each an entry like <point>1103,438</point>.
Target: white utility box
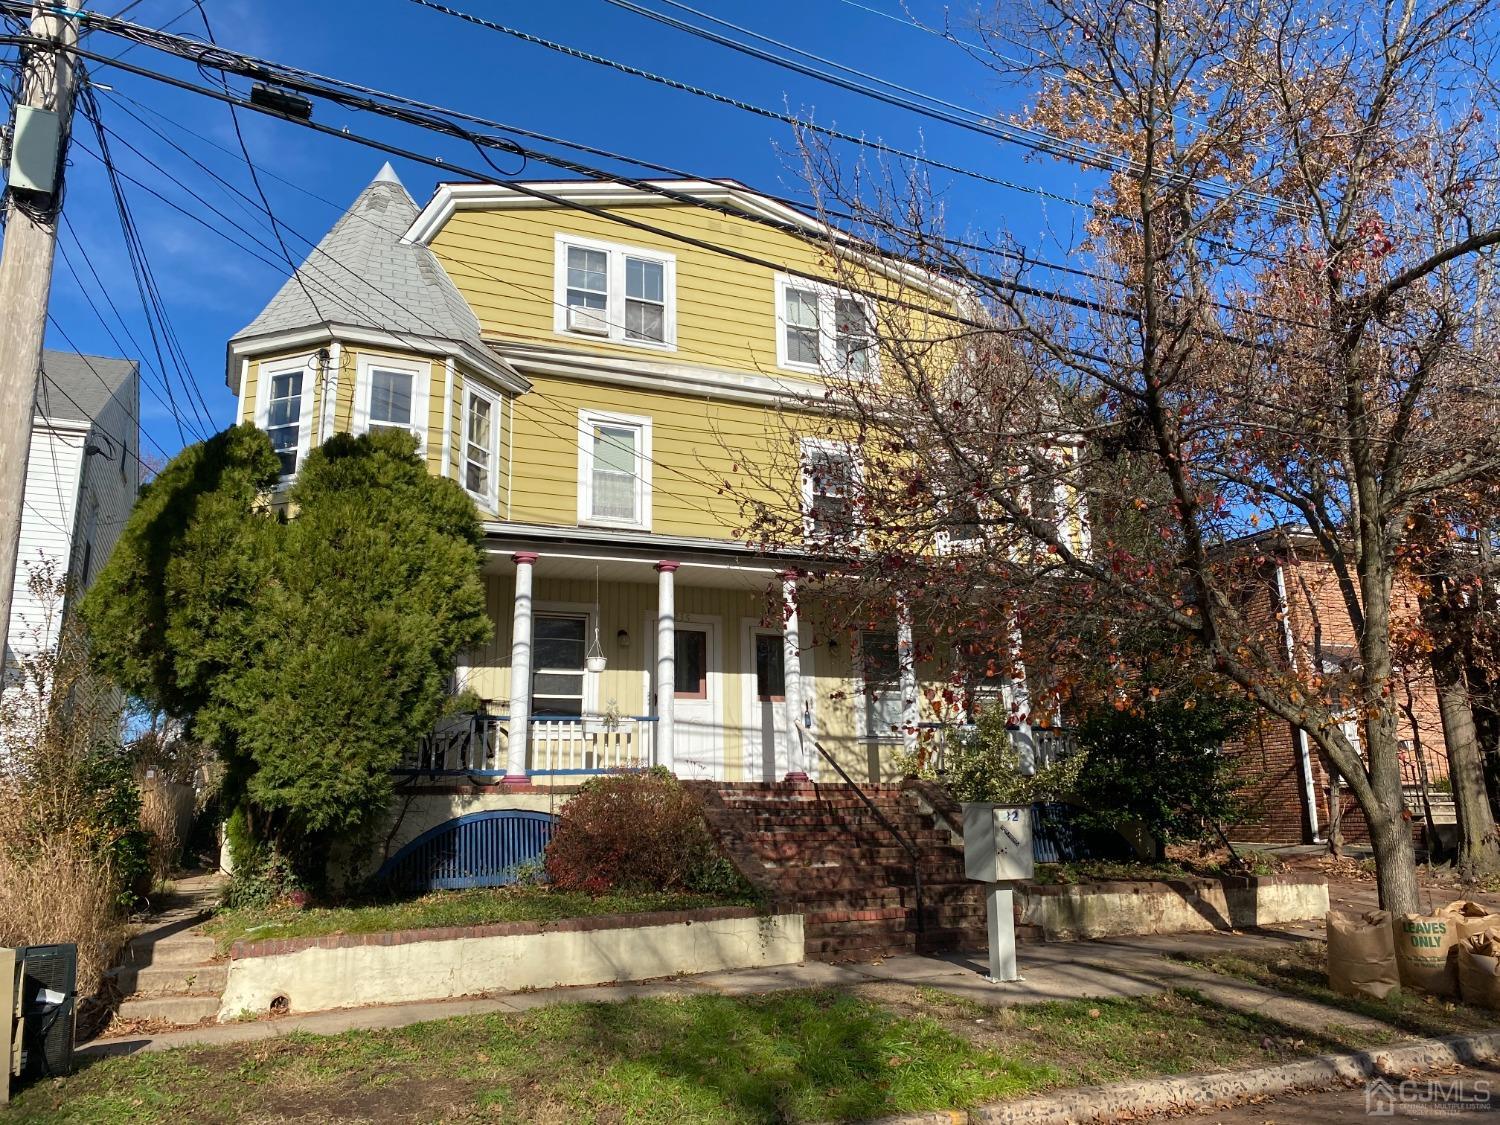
<point>997,842</point>
<point>997,852</point>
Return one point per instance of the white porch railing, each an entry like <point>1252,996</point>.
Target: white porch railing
<point>479,744</point>
<point>1048,745</point>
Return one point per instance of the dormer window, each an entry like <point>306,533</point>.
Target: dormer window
<point>624,294</point>
<point>821,329</point>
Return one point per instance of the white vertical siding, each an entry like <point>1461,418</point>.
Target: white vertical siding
<point>48,518</point>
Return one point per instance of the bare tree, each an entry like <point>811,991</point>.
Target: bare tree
<point>1269,343</point>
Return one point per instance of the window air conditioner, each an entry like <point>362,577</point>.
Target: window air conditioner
<point>590,321</point>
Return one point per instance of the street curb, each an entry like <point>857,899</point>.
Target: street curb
<point>1125,1100</point>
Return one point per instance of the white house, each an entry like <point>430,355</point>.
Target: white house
<point>82,476</point>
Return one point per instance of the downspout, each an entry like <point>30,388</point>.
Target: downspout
<point>1309,790</point>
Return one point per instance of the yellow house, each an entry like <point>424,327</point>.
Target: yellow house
<point>593,362</point>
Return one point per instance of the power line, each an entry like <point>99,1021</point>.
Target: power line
<point>1035,139</point>
<point>67,262</point>
<point>428,116</point>
<point>153,307</point>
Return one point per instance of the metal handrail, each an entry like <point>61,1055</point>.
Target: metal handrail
<point>908,845</point>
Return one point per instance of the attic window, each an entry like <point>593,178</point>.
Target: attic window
<point>623,294</point>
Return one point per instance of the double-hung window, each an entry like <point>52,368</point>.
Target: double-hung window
<point>830,474</point>
<point>393,396</point>
<point>481,445</point>
<point>286,410</point>
<point>820,329</point>
<point>620,293</point>
<point>880,666</point>
<point>557,684</point>
<point>614,469</point>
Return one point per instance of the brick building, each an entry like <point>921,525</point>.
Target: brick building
<point>1286,777</point>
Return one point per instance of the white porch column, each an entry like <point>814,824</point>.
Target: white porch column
<point>519,730</point>
<point>799,753</point>
<point>906,654</point>
<point>666,665</point>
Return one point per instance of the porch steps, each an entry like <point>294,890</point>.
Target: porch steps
<point>819,850</point>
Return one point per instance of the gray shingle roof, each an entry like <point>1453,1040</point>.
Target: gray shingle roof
<point>80,387</point>
<point>362,274</point>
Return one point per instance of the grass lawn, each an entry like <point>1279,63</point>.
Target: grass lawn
<point>1302,970</point>
<point>444,908</point>
<point>818,1055</point>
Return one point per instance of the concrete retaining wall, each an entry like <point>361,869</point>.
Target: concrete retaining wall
<point>350,970</point>
<point>1093,910</point>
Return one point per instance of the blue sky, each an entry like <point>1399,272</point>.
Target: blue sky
<point>211,289</point>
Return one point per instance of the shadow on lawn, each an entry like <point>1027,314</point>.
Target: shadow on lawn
<point>822,1055</point>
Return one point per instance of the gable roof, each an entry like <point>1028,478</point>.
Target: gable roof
<point>364,275</point>
<point>452,197</point>
<point>78,388</point>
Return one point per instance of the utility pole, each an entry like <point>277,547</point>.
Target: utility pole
<point>43,114</point>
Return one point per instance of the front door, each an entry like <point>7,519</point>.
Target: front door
<point>696,709</point>
<point>766,747</point>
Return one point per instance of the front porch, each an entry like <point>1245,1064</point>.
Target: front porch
<point>606,658</point>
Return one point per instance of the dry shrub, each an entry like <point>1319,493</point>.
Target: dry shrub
<point>631,832</point>
<point>57,890</point>
<point>162,816</point>
<point>70,841</point>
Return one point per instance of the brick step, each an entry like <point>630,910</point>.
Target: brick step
<point>858,875</point>
<point>832,828</point>
<point>788,851</point>
<point>854,914</point>
<point>865,897</point>
<point>875,948</point>
<point>176,949</point>
<point>172,980</point>
<point>854,898</point>
<point>181,1010</point>
<point>885,804</point>
<point>945,939</point>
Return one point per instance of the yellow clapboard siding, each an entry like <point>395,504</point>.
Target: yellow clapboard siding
<point>505,262</point>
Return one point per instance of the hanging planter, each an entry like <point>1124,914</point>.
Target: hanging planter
<point>595,660</point>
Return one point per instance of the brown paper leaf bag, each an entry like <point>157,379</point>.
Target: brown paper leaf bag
<point>1362,954</point>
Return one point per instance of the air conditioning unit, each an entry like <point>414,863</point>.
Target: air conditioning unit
<point>590,321</point>
<point>47,1008</point>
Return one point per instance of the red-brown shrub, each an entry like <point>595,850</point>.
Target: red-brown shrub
<point>632,832</point>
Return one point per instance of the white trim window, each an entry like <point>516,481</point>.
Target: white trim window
<point>880,683</point>
<point>284,409</point>
<point>614,469</point>
<point>481,446</point>
<point>823,329</point>
<point>830,478</point>
<point>619,293</point>
<point>559,680</point>
<point>392,395</point>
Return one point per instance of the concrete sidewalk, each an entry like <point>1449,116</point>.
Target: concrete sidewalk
<point>1118,967</point>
